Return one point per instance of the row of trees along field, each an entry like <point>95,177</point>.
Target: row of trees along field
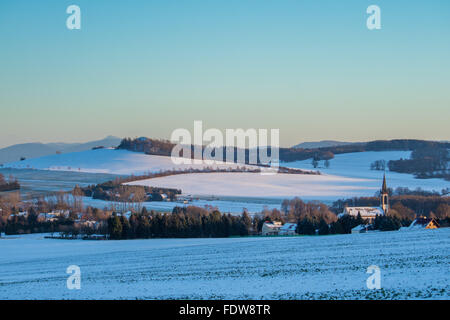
<point>8,185</point>
<point>193,221</point>
<point>190,222</point>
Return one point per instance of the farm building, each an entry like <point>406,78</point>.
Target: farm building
<point>271,228</point>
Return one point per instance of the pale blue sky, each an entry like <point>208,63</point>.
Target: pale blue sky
<point>144,68</point>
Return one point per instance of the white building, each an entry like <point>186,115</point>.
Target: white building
<point>369,213</point>
<point>271,228</point>
<point>288,229</point>
<point>366,212</point>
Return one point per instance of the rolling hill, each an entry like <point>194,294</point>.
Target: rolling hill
<point>348,175</point>
<point>37,149</point>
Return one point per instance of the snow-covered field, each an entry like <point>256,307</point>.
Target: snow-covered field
<point>349,175</point>
<point>121,162</point>
<point>225,206</point>
<point>357,165</point>
<point>414,265</point>
<point>237,184</point>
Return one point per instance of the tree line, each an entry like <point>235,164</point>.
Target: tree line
<point>183,222</point>
<point>8,185</point>
<point>311,217</point>
<point>426,162</point>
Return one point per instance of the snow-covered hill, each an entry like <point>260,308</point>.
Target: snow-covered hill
<point>237,184</point>
<point>322,144</point>
<point>357,165</point>
<point>121,162</point>
<point>37,149</point>
<point>348,175</point>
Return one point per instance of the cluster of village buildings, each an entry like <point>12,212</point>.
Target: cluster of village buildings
<point>80,221</point>
<point>270,228</point>
<point>367,213</point>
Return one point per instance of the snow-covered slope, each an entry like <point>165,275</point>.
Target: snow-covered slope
<point>112,161</point>
<point>348,175</point>
<point>34,150</point>
<point>357,165</point>
<point>257,185</point>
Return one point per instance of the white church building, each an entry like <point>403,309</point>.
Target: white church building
<point>369,213</point>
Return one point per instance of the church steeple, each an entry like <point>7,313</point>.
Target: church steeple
<point>384,196</point>
<point>384,188</point>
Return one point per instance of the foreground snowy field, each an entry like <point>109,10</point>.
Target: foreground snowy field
<point>414,265</point>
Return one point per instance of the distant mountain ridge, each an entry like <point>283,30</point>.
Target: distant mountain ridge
<point>38,149</point>
<point>322,144</point>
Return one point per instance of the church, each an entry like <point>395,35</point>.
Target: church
<point>369,213</point>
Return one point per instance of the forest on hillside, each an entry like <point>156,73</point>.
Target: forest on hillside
<point>164,148</point>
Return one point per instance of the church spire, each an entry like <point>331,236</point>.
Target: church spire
<point>384,189</point>
<point>384,196</point>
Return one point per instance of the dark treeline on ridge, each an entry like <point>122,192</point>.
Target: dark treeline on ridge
<point>428,162</point>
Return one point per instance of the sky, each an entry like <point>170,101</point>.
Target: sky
<point>310,68</point>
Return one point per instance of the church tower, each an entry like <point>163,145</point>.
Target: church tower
<point>384,196</point>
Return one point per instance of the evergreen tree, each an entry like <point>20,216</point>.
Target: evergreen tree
<point>323,227</point>
<point>306,226</point>
<point>115,227</point>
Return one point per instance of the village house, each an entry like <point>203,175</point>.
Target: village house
<point>288,229</point>
<point>278,229</point>
<point>271,228</point>
<point>53,216</point>
<point>19,214</point>
<point>370,213</point>
<point>363,228</point>
<point>87,224</point>
<point>158,197</point>
<point>423,223</point>
<point>47,217</point>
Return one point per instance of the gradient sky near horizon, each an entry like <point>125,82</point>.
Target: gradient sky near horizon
<point>144,68</point>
